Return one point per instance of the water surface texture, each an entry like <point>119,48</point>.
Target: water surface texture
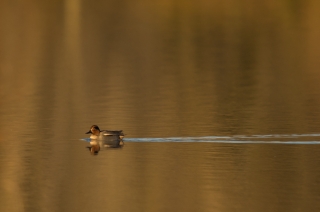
<point>219,101</point>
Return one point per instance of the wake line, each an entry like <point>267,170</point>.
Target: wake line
<point>240,139</point>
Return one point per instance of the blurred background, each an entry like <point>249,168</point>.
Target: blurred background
<point>162,68</point>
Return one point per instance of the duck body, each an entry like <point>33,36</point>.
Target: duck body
<point>109,138</point>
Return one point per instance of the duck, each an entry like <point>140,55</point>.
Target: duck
<point>113,136</point>
<point>96,132</point>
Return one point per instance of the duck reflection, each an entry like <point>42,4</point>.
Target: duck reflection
<point>112,141</point>
<point>94,147</point>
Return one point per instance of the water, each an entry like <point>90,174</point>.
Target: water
<point>219,102</point>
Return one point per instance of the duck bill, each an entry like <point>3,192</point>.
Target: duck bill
<point>88,132</point>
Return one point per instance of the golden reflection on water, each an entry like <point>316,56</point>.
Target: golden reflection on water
<point>183,69</point>
<point>158,69</point>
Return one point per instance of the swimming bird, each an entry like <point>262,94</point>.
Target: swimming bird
<point>96,132</point>
<point>109,137</point>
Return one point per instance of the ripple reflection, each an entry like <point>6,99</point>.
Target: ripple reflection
<point>241,139</point>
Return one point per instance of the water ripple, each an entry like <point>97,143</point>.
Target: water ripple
<point>240,139</point>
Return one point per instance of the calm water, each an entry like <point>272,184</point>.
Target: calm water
<point>219,101</point>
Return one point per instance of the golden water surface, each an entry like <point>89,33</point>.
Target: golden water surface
<point>160,69</point>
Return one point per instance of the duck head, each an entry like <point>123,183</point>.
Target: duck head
<point>94,130</point>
